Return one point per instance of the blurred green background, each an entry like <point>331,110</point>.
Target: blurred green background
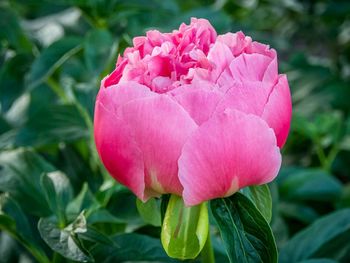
<point>56,198</point>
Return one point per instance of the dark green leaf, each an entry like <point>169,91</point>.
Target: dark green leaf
<point>319,260</point>
<point>131,247</point>
<point>92,235</point>
<point>53,125</point>
<point>99,49</point>
<point>20,176</point>
<point>15,222</point>
<point>246,234</point>
<point>308,184</point>
<point>261,197</point>
<point>299,211</point>
<point>326,236</point>
<point>63,241</point>
<point>12,75</point>
<point>52,58</point>
<point>83,201</point>
<point>11,30</point>
<point>58,192</point>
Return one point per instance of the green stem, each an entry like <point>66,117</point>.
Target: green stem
<point>208,251</point>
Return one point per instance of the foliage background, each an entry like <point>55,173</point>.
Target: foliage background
<point>56,196</point>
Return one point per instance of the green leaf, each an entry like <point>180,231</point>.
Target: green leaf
<point>245,232</point>
<point>11,30</point>
<point>184,229</point>
<point>131,247</point>
<point>83,201</point>
<point>149,211</point>
<point>260,195</point>
<point>99,50</point>
<point>299,211</point>
<point>326,237</point>
<point>12,75</point>
<point>308,184</point>
<point>93,235</point>
<point>64,241</point>
<point>58,193</point>
<point>53,125</point>
<point>52,58</point>
<point>16,223</point>
<point>319,260</point>
<point>20,176</point>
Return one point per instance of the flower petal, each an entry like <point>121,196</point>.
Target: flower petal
<point>253,67</point>
<point>278,110</point>
<point>113,97</point>
<point>160,127</point>
<point>119,153</point>
<point>221,56</point>
<point>249,97</point>
<point>230,151</point>
<point>199,103</point>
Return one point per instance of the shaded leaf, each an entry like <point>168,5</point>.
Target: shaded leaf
<point>246,234</point>
<point>53,125</point>
<point>20,176</point>
<point>131,247</point>
<point>99,50</point>
<point>261,197</point>
<point>325,236</point>
<point>58,192</point>
<point>63,241</point>
<point>52,58</point>
<point>308,184</point>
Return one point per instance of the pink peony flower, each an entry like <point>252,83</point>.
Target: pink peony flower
<point>193,114</point>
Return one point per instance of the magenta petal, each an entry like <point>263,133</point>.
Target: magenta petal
<point>230,151</point>
<point>160,127</point>
<point>119,154</point>
<point>199,103</point>
<point>278,110</point>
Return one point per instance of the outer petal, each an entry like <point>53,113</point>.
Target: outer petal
<point>117,149</point>
<point>254,67</point>
<point>114,96</point>
<point>230,151</point>
<point>119,153</point>
<point>199,103</point>
<point>278,110</point>
<point>249,97</point>
<point>160,127</point>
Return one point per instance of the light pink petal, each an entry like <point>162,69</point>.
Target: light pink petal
<point>199,103</point>
<point>160,127</point>
<point>114,96</point>
<point>221,56</point>
<point>237,42</point>
<point>278,110</point>
<point>249,97</point>
<point>118,152</point>
<point>256,47</point>
<point>253,67</point>
<point>230,151</point>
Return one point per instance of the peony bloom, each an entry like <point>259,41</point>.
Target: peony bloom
<point>193,113</point>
